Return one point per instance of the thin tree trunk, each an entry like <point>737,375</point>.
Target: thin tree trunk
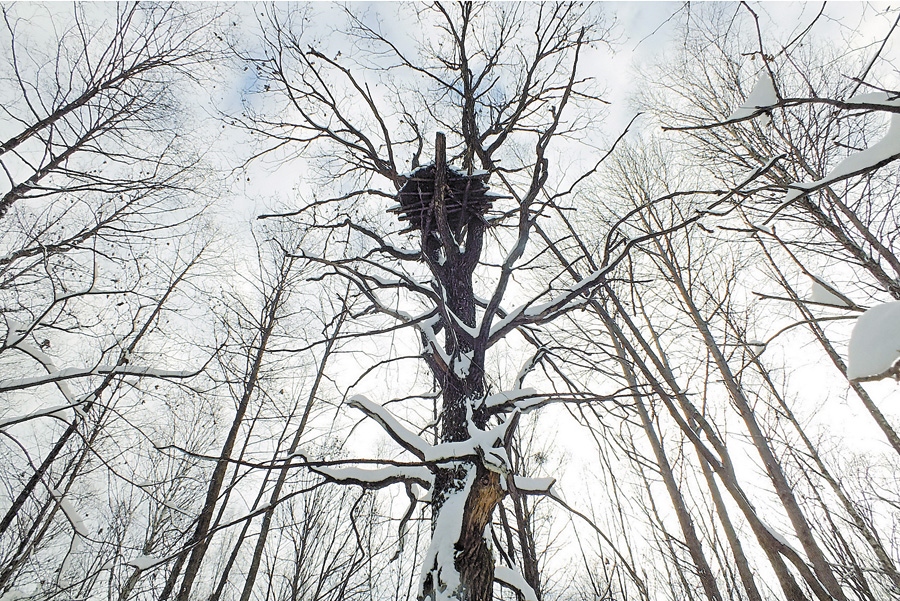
<point>692,541</point>
<point>283,473</point>
<point>767,542</point>
<point>770,545</point>
<point>773,468</point>
<point>859,522</point>
<point>880,419</point>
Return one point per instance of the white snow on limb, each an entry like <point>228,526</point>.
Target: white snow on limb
<point>761,96</point>
<point>508,396</point>
<point>59,411</point>
<point>822,292</point>
<point>756,347</point>
<point>535,485</point>
<point>514,579</point>
<point>885,150</point>
<point>432,346</point>
<point>539,313</point>
<point>488,444</point>
<point>15,332</point>
<point>481,443</point>
<point>411,441</point>
<point>71,514</point>
<point>875,156</point>
<point>358,475</point>
<point>522,399</point>
<point>440,558</point>
<point>459,323</point>
<point>778,536</point>
<point>885,99</point>
<point>528,367</point>
<point>424,494</point>
<point>526,404</point>
<point>874,351</point>
<point>144,562</point>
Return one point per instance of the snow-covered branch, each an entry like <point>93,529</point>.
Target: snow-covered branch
<point>872,158</point>
<point>378,477</point>
<point>513,579</point>
<point>410,441</point>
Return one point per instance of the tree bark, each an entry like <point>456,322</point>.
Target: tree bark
<point>452,254</point>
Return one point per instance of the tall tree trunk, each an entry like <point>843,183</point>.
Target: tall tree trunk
<point>692,541</point>
<point>773,467</point>
<point>199,541</point>
<point>720,461</point>
<point>737,549</point>
<point>283,473</point>
<point>452,261</point>
<point>880,419</point>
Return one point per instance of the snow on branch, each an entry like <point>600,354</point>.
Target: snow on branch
<point>486,444</point>
<point>410,441</point>
<point>15,338</point>
<point>824,293</point>
<point>533,485</point>
<point>876,100</point>
<point>144,562</point>
<point>874,157</point>
<point>780,539</point>
<point>521,399</point>
<point>513,579</point>
<point>379,477</point>
<point>762,97</point>
<point>70,512</point>
<point>430,343</point>
<point>874,351</point>
<point>57,411</point>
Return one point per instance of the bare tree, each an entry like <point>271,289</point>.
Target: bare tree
<point>99,227</point>
<point>499,76</point>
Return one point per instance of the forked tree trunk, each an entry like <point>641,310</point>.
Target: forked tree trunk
<point>453,250</point>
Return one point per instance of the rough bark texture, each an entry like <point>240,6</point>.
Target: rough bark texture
<point>474,560</point>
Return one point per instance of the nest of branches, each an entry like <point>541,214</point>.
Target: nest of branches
<point>465,196</point>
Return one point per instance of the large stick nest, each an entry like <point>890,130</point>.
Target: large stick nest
<point>465,196</point>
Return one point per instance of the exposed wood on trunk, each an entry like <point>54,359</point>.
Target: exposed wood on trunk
<point>474,559</point>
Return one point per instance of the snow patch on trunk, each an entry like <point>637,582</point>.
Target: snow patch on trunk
<point>441,555</point>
